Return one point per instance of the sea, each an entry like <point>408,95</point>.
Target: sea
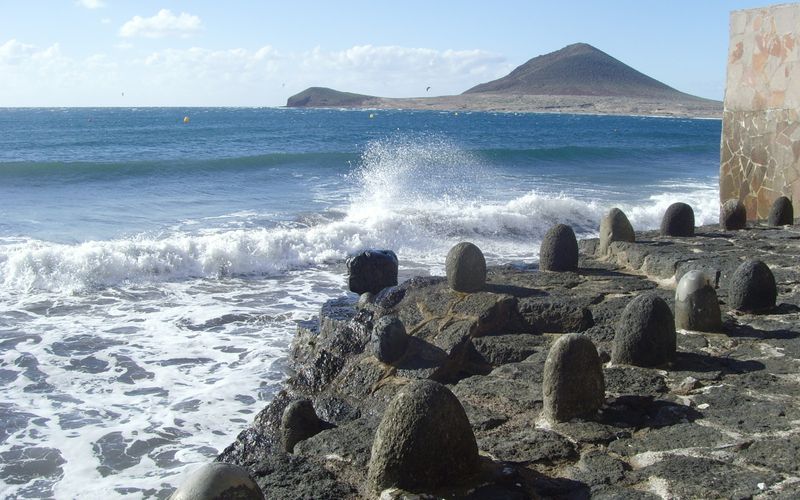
<point>154,262</point>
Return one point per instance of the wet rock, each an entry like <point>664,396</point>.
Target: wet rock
<point>499,394</point>
<point>559,249</point>
<point>778,453</point>
<point>218,481</point>
<point>634,380</point>
<point>781,213</point>
<point>299,422</point>
<point>538,315</point>
<point>678,220</point>
<point>498,350</point>
<point>284,476</point>
<point>732,215</point>
<point>466,268</point>
<point>372,271</point>
<point>744,412</point>
<point>350,442</point>
<point>528,445</point>
<point>389,339</point>
<point>423,441</point>
<point>573,384</point>
<point>645,333</point>
<point>752,287</point>
<point>615,226</point>
<point>590,432</point>
<point>690,477</point>
<point>672,437</point>
<point>696,304</point>
<point>596,468</point>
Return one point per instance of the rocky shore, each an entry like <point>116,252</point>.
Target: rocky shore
<point>720,420</point>
<point>505,103</point>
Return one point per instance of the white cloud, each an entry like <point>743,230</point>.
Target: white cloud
<point>105,20</point>
<point>231,77</point>
<point>14,52</point>
<point>403,71</point>
<point>92,4</point>
<point>163,24</point>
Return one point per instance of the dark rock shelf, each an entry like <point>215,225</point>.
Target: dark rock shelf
<point>720,421</point>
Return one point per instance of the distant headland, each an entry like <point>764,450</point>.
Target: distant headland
<point>576,79</point>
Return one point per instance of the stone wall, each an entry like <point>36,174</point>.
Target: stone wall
<point>760,157</point>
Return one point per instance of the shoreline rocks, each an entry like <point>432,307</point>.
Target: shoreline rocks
<point>678,220</point>
<point>733,215</point>
<point>645,333</point>
<point>466,268</point>
<point>730,397</point>
<point>696,303</point>
<point>573,384</point>
<point>615,226</point>
<point>559,250</point>
<point>753,287</point>
<point>424,441</point>
<point>781,213</point>
<point>371,271</point>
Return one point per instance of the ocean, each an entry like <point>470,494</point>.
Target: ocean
<point>152,271</point>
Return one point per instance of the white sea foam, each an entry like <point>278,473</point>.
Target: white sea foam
<point>170,344</point>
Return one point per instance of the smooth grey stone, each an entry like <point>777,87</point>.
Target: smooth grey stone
<point>423,441</point>
<point>752,287</point>
<point>389,339</point>
<point>696,304</point>
<point>645,333</point>
<point>781,213</point>
<point>466,268</point>
<point>298,422</point>
<point>573,384</point>
<point>559,249</point>
<point>733,215</point>
<point>372,271</point>
<point>678,220</point>
<point>219,481</point>
<point>615,226</point>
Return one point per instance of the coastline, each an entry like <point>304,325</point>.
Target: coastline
<point>582,105</point>
<point>718,421</point>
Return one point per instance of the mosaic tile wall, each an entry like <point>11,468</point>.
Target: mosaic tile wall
<point>760,151</point>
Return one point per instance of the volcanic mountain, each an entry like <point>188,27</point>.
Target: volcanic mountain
<point>576,79</point>
<point>577,69</point>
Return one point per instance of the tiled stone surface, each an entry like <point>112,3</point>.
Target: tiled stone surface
<point>760,152</point>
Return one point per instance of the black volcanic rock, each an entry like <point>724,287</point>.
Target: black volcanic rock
<point>323,97</point>
<point>578,69</point>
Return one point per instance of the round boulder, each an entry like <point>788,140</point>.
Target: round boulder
<point>559,249</point>
<point>696,304</point>
<point>298,422</point>
<point>645,333</point>
<point>389,339</point>
<point>218,481</point>
<point>678,220</point>
<point>371,271</point>
<point>466,268</point>
<point>781,213</point>
<point>752,287</point>
<point>573,384</point>
<point>615,226</point>
<point>733,215</point>
<point>424,441</point>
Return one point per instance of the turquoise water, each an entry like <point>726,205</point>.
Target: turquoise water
<point>152,271</point>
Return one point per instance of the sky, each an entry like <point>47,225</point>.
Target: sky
<point>258,53</point>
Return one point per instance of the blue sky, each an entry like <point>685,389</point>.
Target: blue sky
<point>236,53</point>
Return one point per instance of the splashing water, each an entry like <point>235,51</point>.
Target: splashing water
<point>128,358</point>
